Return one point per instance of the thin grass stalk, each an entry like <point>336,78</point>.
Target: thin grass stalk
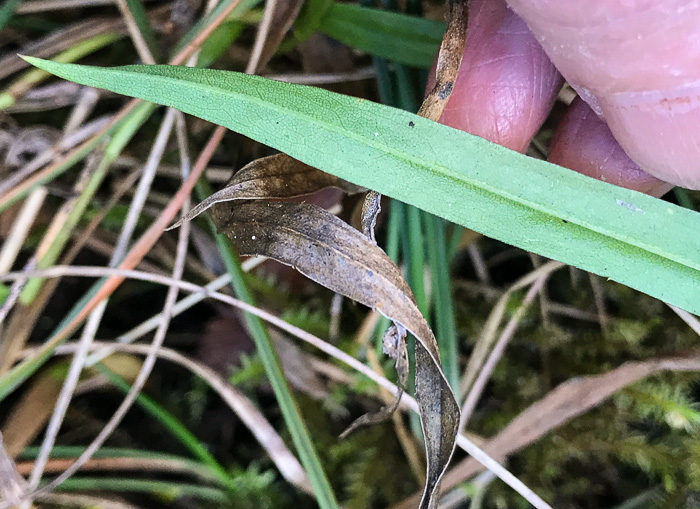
<point>173,426</point>
<point>443,309</point>
<point>273,369</point>
<point>497,352</point>
<point>140,29</point>
<point>406,400</point>
<point>95,317</point>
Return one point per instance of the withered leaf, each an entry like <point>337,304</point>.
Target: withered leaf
<point>448,61</point>
<point>394,345</point>
<point>371,206</point>
<point>337,256</point>
<point>273,177</point>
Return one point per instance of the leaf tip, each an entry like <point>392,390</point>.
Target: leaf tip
<point>176,225</point>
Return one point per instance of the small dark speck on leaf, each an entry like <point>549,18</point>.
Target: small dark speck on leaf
<point>411,123</point>
<point>565,221</point>
<point>446,90</point>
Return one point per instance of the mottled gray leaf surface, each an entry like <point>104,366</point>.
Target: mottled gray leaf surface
<point>337,256</point>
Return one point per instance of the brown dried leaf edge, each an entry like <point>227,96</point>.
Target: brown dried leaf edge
<point>339,257</point>
<point>273,177</point>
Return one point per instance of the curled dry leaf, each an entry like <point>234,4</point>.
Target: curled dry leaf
<point>394,345</point>
<point>446,70</point>
<point>337,256</point>
<point>448,61</point>
<point>273,177</point>
<point>371,206</point>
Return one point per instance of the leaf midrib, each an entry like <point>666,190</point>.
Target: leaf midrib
<point>445,171</point>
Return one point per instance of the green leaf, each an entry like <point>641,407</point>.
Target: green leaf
<point>629,237</point>
<point>397,37</point>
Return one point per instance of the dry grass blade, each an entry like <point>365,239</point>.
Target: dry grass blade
<point>12,485</point>
<point>689,319</point>
<point>136,36</point>
<point>278,18</point>
<point>335,255</point>
<point>406,401</point>
<point>565,402</point>
<point>273,177</point>
<point>265,434</point>
<point>488,334</point>
<point>499,347</point>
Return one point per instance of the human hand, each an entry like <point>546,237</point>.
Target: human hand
<point>636,63</point>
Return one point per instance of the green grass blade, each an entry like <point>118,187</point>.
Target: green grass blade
<point>404,39</point>
<point>7,10</point>
<point>273,368</point>
<point>637,240</point>
<point>414,257</point>
<point>141,19</point>
<point>443,310</point>
<point>166,491</point>
<point>172,425</point>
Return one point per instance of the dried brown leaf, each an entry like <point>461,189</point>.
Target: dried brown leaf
<point>371,207</point>
<point>448,61</point>
<point>394,345</point>
<point>335,255</point>
<point>273,177</point>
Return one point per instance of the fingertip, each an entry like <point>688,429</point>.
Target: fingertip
<point>506,84</point>
<point>584,143</point>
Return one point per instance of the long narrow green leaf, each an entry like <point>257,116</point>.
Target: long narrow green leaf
<point>172,425</point>
<point>635,239</point>
<point>404,39</point>
<point>7,10</point>
<point>164,490</point>
<point>443,310</point>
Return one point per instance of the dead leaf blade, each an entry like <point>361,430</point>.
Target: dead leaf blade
<point>448,61</point>
<point>337,256</point>
<point>274,177</point>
